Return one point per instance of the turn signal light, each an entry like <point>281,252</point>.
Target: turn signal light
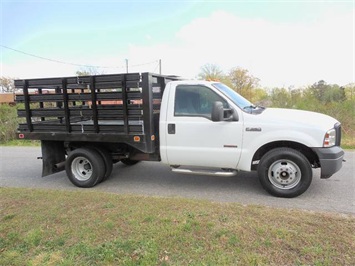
<point>329,138</point>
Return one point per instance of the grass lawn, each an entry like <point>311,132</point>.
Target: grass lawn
<point>21,142</point>
<point>348,142</point>
<point>47,227</point>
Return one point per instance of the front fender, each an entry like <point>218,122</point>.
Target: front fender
<point>255,139</point>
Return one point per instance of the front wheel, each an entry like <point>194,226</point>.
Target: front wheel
<point>285,172</point>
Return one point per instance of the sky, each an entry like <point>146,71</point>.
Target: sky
<point>283,43</point>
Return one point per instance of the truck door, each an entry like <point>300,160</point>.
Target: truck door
<point>192,138</point>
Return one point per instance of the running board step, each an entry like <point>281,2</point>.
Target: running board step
<point>204,172</point>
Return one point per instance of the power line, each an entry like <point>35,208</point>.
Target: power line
<point>73,64</point>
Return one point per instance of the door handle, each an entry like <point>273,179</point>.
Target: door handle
<point>171,129</point>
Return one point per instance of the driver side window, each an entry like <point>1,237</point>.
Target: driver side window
<point>195,100</point>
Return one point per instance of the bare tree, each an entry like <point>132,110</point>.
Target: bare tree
<point>211,72</point>
<point>88,71</point>
<point>7,84</point>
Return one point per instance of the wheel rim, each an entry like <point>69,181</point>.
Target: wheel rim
<point>81,168</point>
<point>284,174</point>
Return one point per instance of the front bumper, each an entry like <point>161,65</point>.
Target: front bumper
<point>330,159</point>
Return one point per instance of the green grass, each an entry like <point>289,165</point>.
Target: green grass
<point>348,142</point>
<point>45,227</point>
<point>21,142</point>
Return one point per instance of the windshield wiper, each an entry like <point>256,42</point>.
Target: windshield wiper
<point>250,107</point>
<point>258,109</point>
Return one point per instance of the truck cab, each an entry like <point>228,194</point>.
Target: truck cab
<point>188,134</point>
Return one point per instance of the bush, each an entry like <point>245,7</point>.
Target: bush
<point>8,122</point>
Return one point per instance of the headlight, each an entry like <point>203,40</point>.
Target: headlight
<point>329,138</point>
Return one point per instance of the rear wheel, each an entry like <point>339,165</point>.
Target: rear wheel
<point>285,172</point>
<point>85,167</point>
<point>105,155</point>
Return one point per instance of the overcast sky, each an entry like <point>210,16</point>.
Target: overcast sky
<point>283,43</point>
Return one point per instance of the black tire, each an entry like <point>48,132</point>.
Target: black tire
<point>129,162</point>
<point>85,167</point>
<point>105,155</point>
<point>285,172</point>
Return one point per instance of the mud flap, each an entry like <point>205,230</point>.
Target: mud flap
<point>53,157</point>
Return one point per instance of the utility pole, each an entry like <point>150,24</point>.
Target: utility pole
<point>160,66</point>
<point>126,65</point>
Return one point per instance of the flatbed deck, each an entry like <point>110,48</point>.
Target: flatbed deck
<point>103,108</point>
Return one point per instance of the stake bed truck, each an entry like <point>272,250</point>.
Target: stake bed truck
<point>87,123</point>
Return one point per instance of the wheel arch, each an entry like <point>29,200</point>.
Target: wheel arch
<point>306,151</point>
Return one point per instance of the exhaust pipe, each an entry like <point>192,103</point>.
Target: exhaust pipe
<point>59,166</point>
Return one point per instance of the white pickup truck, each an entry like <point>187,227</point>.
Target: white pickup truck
<point>88,123</point>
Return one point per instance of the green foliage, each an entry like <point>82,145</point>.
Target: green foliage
<point>281,98</point>
<point>327,93</point>
<point>350,91</point>
<point>8,122</point>
<point>243,82</point>
<point>259,96</point>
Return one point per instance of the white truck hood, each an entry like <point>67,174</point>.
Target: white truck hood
<point>276,124</point>
<point>300,118</point>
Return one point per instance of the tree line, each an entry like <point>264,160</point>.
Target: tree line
<point>240,80</point>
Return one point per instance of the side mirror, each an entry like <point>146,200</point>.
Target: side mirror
<point>221,114</point>
<point>217,112</point>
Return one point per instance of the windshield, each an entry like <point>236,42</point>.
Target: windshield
<point>234,96</point>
